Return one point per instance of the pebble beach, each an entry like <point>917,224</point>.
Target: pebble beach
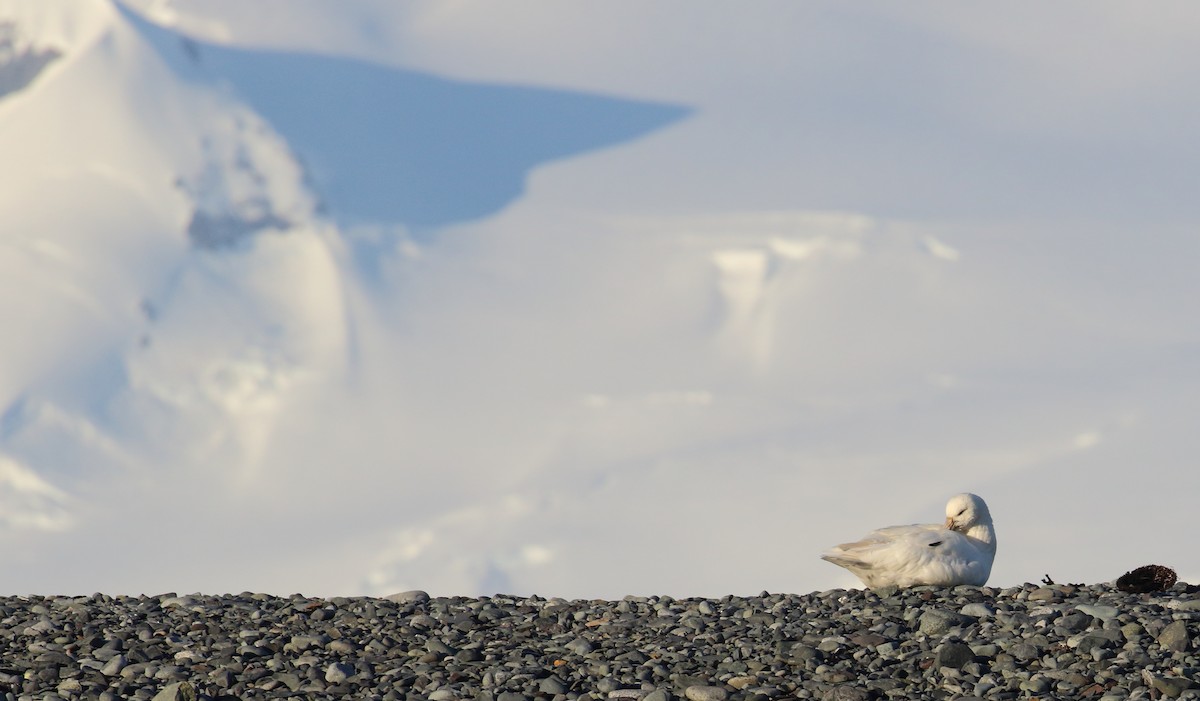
<point>1034,641</point>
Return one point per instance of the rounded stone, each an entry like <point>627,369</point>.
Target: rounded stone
<point>1171,687</point>
<point>941,621</point>
<point>846,693</point>
<point>698,692</point>
<point>552,686</point>
<point>1175,637</point>
<point>977,610</point>
<point>338,672</point>
<point>415,596</point>
<point>954,655</point>
<point>1101,612</point>
<point>742,682</point>
<point>1044,594</point>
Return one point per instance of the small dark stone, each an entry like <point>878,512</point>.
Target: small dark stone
<point>954,655</point>
<point>440,648</point>
<point>1074,622</point>
<point>868,639</point>
<point>552,686</point>
<point>805,653</point>
<point>1105,638</point>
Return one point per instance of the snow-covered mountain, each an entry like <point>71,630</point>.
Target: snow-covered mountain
<point>181,219</point>
<point>368,298</point>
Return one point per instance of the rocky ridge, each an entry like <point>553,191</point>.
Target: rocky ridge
<point>1032,641</point>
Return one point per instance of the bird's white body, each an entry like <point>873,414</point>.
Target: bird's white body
<point>960,551</point>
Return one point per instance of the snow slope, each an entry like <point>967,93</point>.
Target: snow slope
<point>344,287</point>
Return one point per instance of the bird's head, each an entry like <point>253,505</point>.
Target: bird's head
<point>964,511</point>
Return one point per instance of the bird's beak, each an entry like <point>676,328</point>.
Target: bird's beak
<point>949,523</point>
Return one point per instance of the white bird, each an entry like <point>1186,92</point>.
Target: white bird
<point>959,551</point>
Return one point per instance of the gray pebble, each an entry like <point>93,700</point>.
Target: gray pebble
<point>338,672</point>
<point>607,685</point>
<point>1044,594</point>
<point>1104,613</point>
<point>940,621</point>
<point>341,647</point>
<point>439,647</point>
<point>977,610</point>
<point>697,692</point>
<point>1074,622</point>
<point>179,691</point>
<point>1175,637</point>
<point>552,686</point>
<point>1099,639</point>
<point>114,666</point>
<point>416,596</point>
<point>846,693</point>
<point>1172,687</point>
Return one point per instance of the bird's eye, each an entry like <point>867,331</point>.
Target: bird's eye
<point>960,513</point>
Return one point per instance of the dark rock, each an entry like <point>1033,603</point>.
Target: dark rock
<point>941,621</point>
<point>1074,622</point>
<point>954,655</point>
<point>1104,639</point>
<point>1025,651</point>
